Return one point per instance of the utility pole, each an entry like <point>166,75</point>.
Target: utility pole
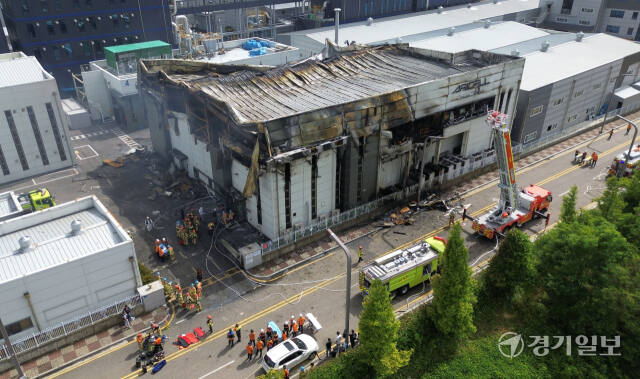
<point>635,133</point>
<point>348,295</point>
<point>606,113</point>
<point>10,350</point>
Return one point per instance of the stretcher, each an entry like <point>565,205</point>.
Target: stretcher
<point>313,321</point>
<point>199,332</point>
<point>158,366</point>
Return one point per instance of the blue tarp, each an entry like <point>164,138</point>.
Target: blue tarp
<point>255,44</point>
<point>258,51</point>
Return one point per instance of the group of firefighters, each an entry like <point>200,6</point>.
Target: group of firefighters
<point>187,229</point>
<point>266,338</point>
<point>582,158</point>
<point>190,299</point>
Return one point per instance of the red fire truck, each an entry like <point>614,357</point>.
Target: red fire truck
<point>515,207</point>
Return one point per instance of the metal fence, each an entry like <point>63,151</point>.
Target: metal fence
<point>340,218</point>
<point>487,157</point>
<point>66,328</point>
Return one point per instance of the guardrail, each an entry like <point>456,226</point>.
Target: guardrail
<point>327,222</point>
<point>65,328</point>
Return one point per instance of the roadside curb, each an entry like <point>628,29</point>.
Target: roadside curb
<point>276,275</point>
<point>126,339</point>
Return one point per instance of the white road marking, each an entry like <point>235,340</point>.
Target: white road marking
<point>95,153</point>
<point>74,173</point>
<point>216,370</point>
<point>564,193</point>
<point>180,321</point>
<point>125,138</point>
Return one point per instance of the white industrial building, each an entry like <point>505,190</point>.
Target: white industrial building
<point>33,132</point>
<point>61,263</point>
<point>415,25</point>
<point>569,79</point>
<point>620,18</point>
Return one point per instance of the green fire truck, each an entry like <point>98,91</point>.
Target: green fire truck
<point>404,268</point>
<point>36,200</point>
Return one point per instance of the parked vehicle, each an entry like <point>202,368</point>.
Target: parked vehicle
<point>291,353</point>
<point>405,268</point>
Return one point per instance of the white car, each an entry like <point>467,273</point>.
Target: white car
<point>291,353</point>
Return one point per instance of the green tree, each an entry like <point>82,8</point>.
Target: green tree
<point>378,333</point>
<point>568,212</point>
<point>584,272</point>
<point>511,271</point>
<point>272,374</point>
<point>611,203</point>
<point>145,273</point>
<point>453,289</point>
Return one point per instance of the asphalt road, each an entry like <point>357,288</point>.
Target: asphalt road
<point>319,286</point>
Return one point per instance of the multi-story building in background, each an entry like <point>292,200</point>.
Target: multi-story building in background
<point>63,34</point>
<point>620,18</point>
<point>33,133</point>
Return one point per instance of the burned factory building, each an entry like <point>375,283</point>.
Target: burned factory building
<point>298,143</point>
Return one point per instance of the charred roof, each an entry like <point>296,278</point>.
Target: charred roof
<point>256,94</point>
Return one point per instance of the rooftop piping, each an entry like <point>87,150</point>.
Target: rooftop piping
<point>25,243</point>
<point>337,20</point>
<point>76,227</point>
<point>579,36</point>
<point>545,46</point>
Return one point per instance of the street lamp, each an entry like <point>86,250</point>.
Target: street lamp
<point>633,140</point>
<point>348,295</point>
<point>604,121</point>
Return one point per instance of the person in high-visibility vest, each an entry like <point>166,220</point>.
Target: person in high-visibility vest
<point>359,253</point>
<point>301,321</point>
<point>139,340</point>
<point>210,324</point>
<point>224,217</point>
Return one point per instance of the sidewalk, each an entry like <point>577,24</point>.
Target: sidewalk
<point>88,346</point>
<point>271,270</point>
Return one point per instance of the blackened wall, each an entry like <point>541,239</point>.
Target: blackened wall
<point>63,34</point>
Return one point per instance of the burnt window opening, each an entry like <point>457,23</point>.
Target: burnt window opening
<point>314,187</point>
<point>360,171</point>
<point>506,106</point>
<point>466,112</point>
<point>337,196</point>
<point>287,195</point>
<point>258,201</point>
<point>501,101</point>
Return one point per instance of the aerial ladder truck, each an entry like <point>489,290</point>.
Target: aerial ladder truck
<point>514,207</point>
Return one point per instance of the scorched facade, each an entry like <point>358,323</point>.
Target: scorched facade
<point>291,145</point>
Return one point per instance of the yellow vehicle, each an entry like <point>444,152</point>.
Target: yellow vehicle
<point>403,269</point>
<point>36,200</point>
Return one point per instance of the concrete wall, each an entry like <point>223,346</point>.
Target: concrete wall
<point>70,290</point>
<point>17,99</point>
<point>98,95</point>
<point>155,120</point>
<point>185,142</point>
